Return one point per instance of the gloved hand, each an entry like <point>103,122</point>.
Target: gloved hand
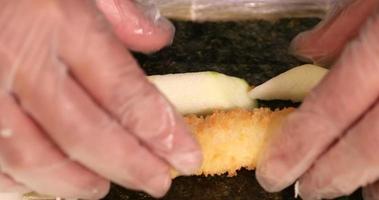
<point>331,143</point>
<point>76,110</point>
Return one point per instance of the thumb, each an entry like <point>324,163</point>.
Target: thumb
<point>323,118</point>
<point>324,44</point>
<point>140,27</point>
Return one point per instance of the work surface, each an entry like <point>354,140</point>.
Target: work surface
<point>255,51</point>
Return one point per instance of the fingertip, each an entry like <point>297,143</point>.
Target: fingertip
<point>187,163</point>
<point>166,133</point>
<point>186,155</point>
<point>92,187</point>
<point>147,39</point>
<point>298,47</point>
<point>158,185</point>
<point>306,48</point>
<point>310,189</point>
<point>284,159</point>
<point>140,27</point>
<point>267,182</point>
<point>99,190</point>
<point>303,190</point>
<point>272,179</point>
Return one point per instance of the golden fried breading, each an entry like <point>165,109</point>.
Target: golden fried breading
<point>231,140</point>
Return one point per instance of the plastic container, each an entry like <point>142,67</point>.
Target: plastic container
<point>230,10</point>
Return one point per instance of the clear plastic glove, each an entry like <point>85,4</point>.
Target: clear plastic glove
<point>76,110</point>
<point>331,143</point>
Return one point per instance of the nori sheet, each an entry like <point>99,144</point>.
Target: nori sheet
<point>253,50</point>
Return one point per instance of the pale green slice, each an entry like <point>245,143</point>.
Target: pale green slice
<point>203,92</point>
<point>292,85</point>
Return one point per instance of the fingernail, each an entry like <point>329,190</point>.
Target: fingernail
<point>152,13</point>
<point>169,27</point>
<point>97,190</point>
<point>158,185</point>
<point>296,50</point>
<point>150,10</point>
<point>187,163</point>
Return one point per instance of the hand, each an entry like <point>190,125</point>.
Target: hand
<point>76,110</point>
<point>331,143</point>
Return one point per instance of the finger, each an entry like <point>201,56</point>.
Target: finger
<point>140,27</point>
<point>342,97</point>
<point>8,185</point>
<point>87,135</point>
<point>84,131</point>
<point>113,77</point>
<point>28,156</point>
<point>79,127</point>
<point>348,165</point>
<point>11,196</point>
<point>371,192</point>
<point>325,43</point>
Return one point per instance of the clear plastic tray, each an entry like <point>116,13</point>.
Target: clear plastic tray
<point>226,10</point>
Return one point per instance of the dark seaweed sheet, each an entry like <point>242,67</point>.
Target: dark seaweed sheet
<point>255,51</point>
